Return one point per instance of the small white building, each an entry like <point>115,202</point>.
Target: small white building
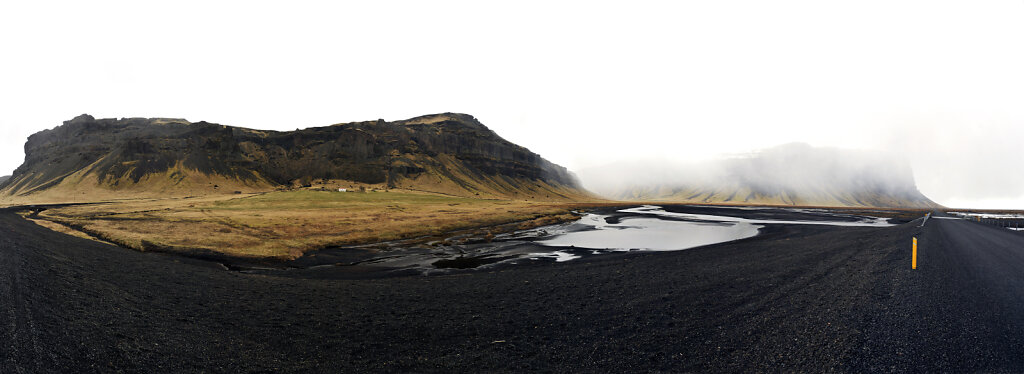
<point>342,190</point>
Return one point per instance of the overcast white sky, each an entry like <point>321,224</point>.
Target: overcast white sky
<point>582,83</point>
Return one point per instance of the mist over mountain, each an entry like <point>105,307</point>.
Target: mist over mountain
<point>791,174</point>
<point>445,153</point>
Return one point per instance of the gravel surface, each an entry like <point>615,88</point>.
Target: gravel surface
<point>797,298</point>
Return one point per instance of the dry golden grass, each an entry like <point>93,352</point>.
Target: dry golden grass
<point>286,224</point>
<point>58,227</point>
<point>178,181</point>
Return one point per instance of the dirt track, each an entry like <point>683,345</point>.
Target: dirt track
<point>799,298</point>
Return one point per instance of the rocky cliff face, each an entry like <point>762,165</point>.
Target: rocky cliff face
<point>449,153</point>
<point>792,174</point>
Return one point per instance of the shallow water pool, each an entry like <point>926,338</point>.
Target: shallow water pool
<point>649,234</point>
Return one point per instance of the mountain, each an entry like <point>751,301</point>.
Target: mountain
<point>4,179</point>
<point>792,174</point>
<point>88,158</point>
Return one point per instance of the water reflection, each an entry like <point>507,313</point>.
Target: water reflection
<point>644,228</point>
<point>649,233</point>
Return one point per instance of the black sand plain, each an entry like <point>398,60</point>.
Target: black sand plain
<point>796,298</point>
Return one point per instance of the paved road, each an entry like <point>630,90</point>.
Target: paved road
<point>964,307</point>
<point>798,298</point>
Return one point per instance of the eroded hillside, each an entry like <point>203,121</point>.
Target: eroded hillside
<point>87,159</point>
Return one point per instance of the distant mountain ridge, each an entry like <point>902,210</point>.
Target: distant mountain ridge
<point>4,179</point>
<point>792,174</point>
<point>445,153</point>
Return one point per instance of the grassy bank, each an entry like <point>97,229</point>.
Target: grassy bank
<point>287,224</point>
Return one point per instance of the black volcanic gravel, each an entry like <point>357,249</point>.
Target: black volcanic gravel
<point>798,298</point>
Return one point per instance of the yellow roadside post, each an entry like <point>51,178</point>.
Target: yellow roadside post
<point>913,261</point>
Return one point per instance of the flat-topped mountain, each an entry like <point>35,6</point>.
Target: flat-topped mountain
<point>792,174</point>
<point>446,153</point>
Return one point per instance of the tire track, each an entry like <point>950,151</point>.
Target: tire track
<point>22,336</point>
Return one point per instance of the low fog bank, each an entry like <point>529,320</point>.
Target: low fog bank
<point>795,167</point>
<point>979,163</point>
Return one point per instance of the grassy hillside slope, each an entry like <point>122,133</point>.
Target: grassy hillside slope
<point>88,159</point>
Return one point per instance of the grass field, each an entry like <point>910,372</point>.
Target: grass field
<point>284,225</point>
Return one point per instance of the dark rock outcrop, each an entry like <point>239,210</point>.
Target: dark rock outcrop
<point>453,148</point>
